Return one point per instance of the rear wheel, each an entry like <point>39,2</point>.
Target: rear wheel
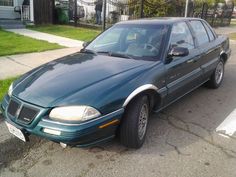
<point>217,76</point>
<point>134,124</point>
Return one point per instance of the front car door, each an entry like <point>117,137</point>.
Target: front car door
<point>183,73</point>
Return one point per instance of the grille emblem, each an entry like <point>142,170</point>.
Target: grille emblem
<point>26,119</point>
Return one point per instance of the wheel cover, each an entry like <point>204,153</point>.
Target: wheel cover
<point>219,72</point>
<point>143,120</point>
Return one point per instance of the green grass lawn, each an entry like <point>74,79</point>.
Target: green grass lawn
<point>79,33</point>
<point>4,85</point>
<point>11,43</point>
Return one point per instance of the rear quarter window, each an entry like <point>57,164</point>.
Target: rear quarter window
<point>209,31</point>
<point>199,31</point>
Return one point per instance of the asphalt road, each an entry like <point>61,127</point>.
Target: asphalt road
<point>181,142</point>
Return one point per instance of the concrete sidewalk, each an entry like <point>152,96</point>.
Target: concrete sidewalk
<point>14,65</point>
<point>63,41</point>
<point>225,30</point>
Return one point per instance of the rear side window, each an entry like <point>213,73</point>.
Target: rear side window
<point>200,32</point>
<point>209,31</point>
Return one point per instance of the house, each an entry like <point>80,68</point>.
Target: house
<point>34,11</point>
<point>12,9</point>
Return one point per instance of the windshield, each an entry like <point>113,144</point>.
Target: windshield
<point>130,41</point>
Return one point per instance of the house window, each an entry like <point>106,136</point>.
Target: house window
<point>6,2</point>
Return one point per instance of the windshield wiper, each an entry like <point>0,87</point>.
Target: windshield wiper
<point>88,51</point>
<point>114,54</point>
<point>120,55</point>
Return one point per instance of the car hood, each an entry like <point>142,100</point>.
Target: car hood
<point>63,77</point>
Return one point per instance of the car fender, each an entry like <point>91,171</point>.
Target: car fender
<point>138,91</point>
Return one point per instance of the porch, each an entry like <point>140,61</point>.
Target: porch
<point>11,24</point>
<point>17,9</point>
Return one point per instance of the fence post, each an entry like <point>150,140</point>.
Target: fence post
<point>231,13</point>
<point>141,8</point>
<point>75,15</point>
<point>104,15</point>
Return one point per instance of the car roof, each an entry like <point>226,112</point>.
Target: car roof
<point>159,20</point>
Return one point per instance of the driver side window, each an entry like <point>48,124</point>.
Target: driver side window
<point>181,36</point>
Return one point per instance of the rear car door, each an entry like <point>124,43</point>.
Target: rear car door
<point>183,73</point>
<point>207,44</point>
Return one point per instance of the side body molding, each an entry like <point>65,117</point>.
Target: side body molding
<point>139,90</point>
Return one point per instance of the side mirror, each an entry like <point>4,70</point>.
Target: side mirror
<point>85,44</point>
<point>178,52</point>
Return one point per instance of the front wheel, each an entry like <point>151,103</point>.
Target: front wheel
<point>134,124</point>
<point>217,76</point>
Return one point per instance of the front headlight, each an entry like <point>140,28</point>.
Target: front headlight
<point>74,113</point>
<point>10,90</point>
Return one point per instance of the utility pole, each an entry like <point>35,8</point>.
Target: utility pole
<point>75,15</point>
<point>104,15</point>
<point>141,8</point>
<point>186,9</point>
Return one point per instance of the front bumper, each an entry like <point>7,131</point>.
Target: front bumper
<point>81,134</point>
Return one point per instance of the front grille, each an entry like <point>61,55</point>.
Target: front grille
<point>27,114</point>
<point>13,107</point>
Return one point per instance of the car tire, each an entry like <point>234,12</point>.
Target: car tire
<point>133,127</point>
<point>217,76</point>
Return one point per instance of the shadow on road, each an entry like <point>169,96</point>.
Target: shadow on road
<point>14,149</point>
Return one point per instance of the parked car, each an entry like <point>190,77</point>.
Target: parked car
<point>112,86</point>
<point>220,8</point>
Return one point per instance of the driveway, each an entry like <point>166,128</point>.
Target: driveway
<point>181,142</point>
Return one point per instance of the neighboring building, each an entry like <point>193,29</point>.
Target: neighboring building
<point>114,9</point>
<point>90,9</point>
<point>11,9</point>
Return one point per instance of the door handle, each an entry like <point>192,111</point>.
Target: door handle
<point>191,61</point>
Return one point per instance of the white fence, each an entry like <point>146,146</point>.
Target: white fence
<point>25,13</point>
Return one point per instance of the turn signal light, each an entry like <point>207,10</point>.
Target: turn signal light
<point>52,132</point>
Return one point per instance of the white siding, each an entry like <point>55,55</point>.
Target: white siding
<point>7,12</point>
